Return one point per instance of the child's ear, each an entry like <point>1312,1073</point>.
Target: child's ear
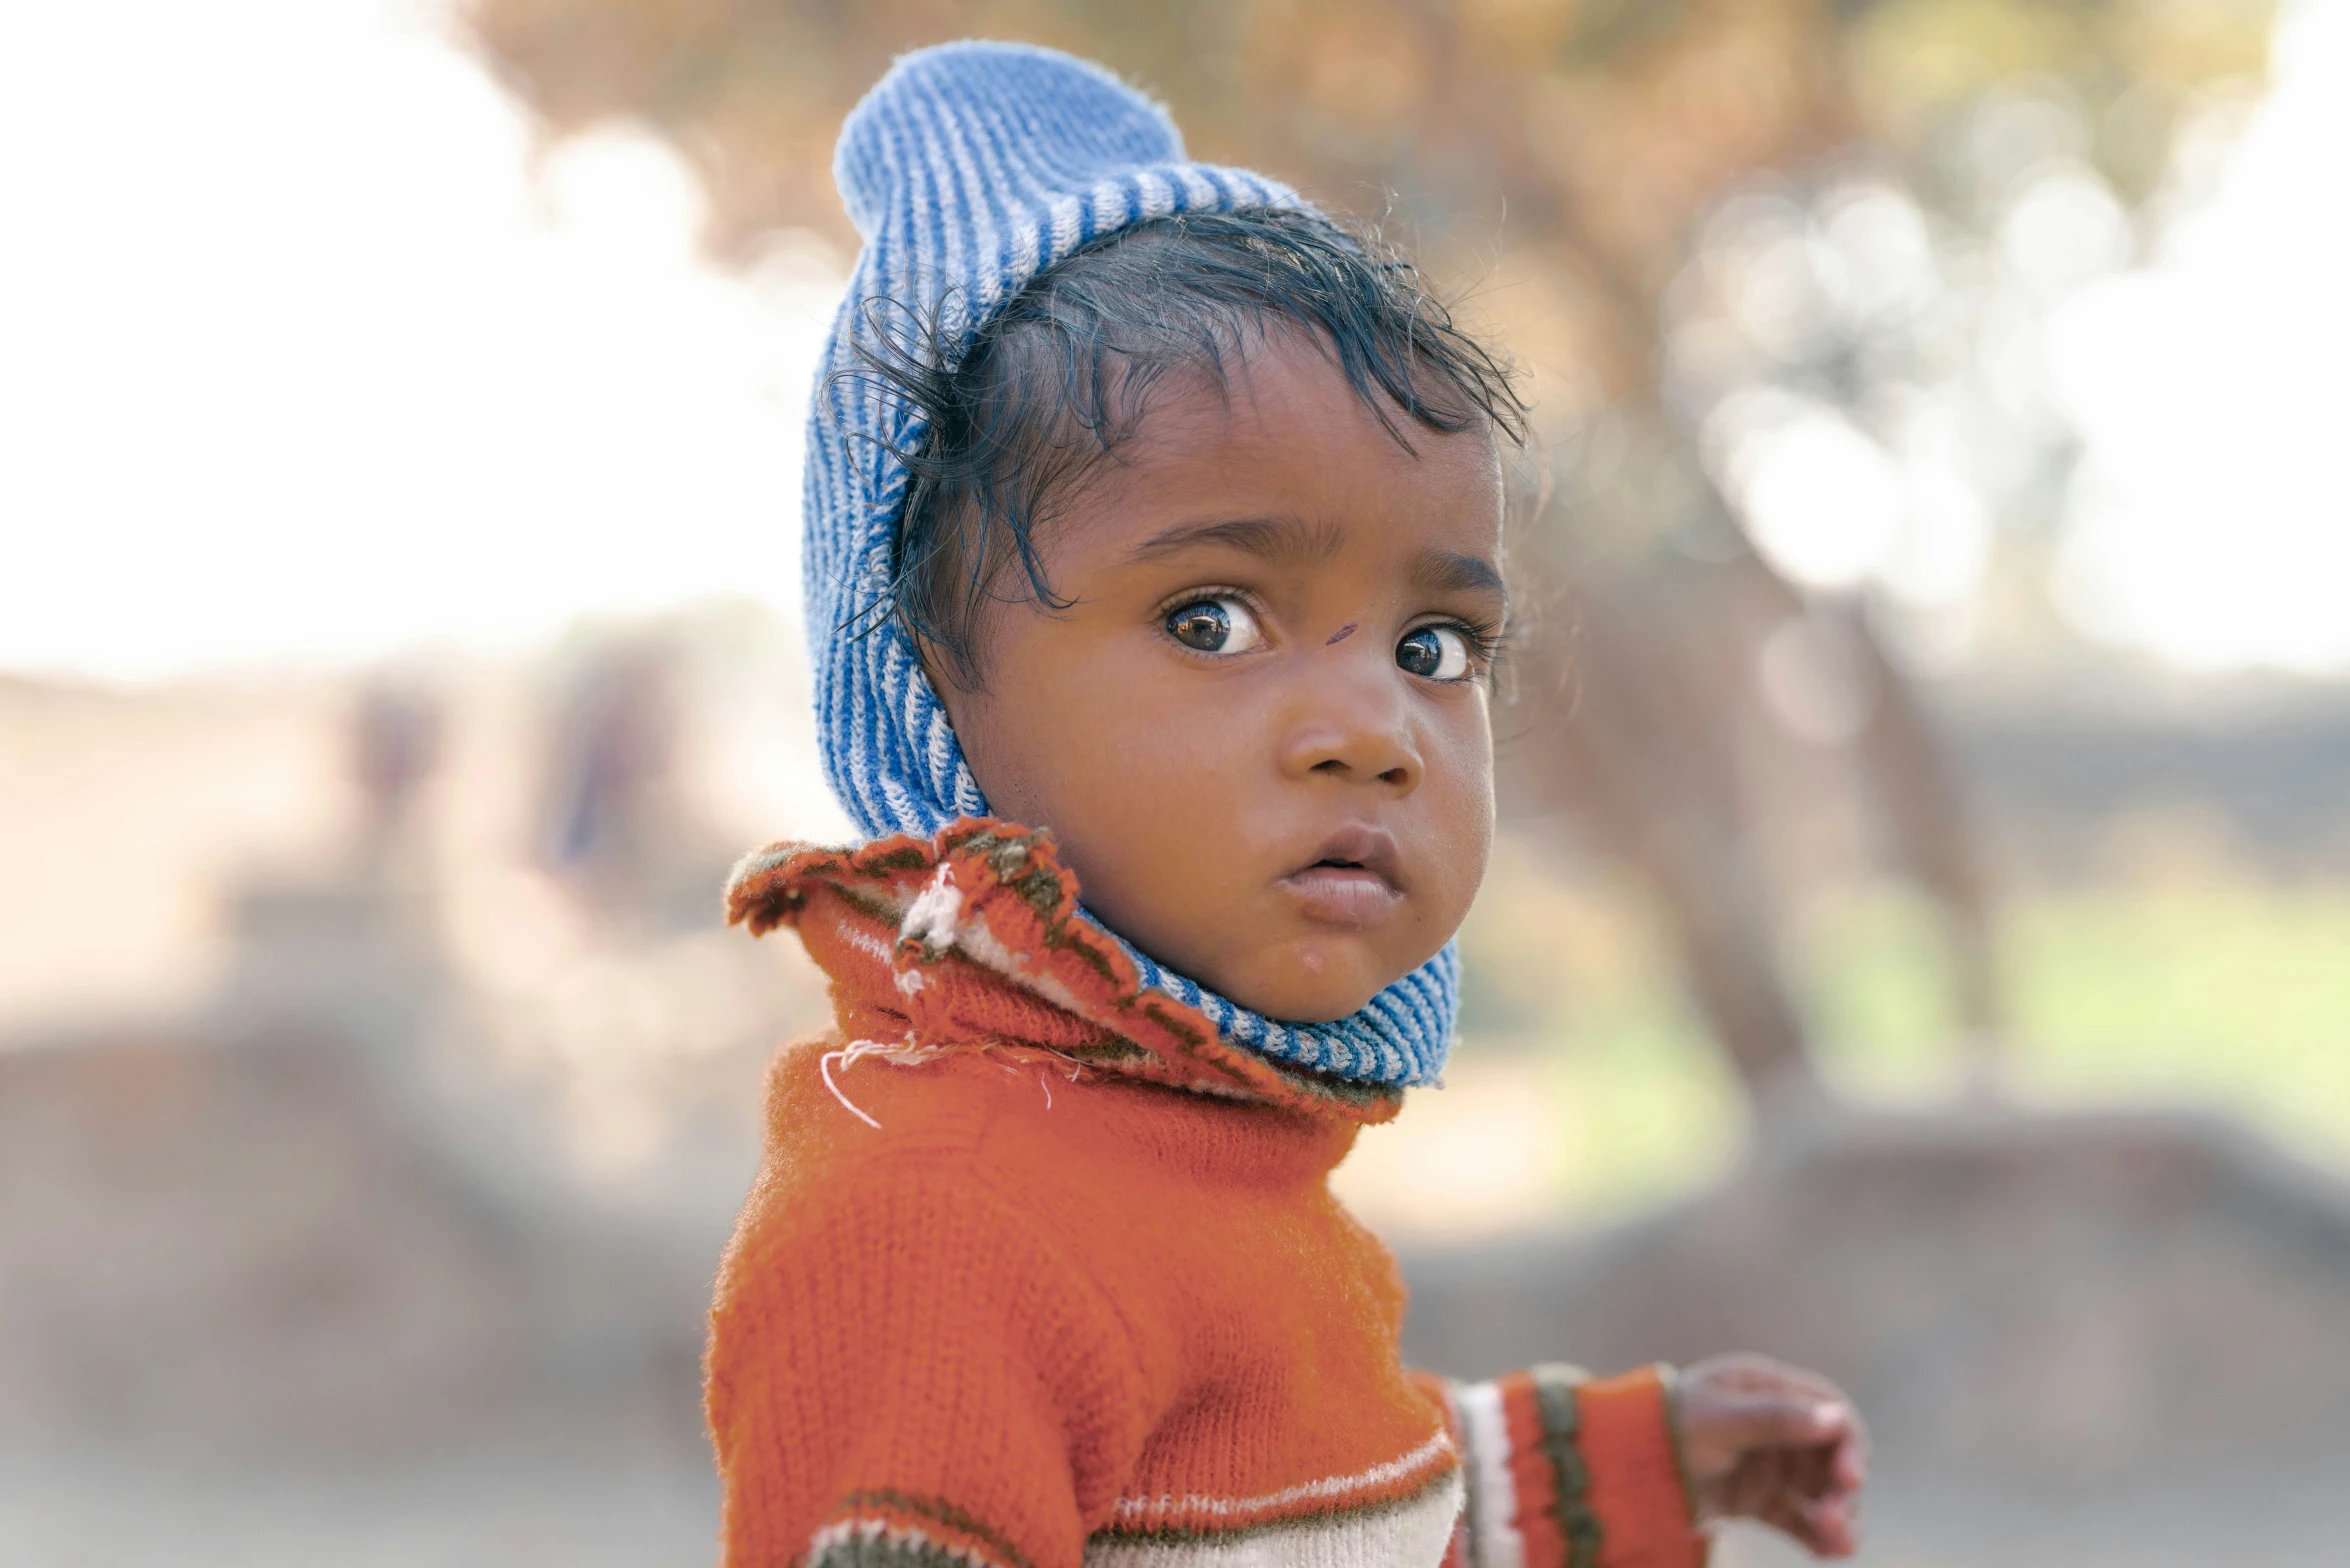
<point>954,674</point>
<point>935,667</point>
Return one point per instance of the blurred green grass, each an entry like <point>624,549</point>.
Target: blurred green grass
<point>2234,995</point>
<point>2226,993</point>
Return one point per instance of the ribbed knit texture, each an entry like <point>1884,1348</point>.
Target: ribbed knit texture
<point>1001,1298</point>
<point>969,169</point>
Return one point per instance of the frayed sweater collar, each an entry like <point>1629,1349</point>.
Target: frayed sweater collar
<point>974,941</point>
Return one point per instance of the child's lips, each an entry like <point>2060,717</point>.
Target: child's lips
<point>1351,881</point>
<point>1350,897</point>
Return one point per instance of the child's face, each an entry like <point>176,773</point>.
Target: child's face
<point>1260,731</point>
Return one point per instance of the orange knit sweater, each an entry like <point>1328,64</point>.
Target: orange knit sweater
<point>1038,1272</point>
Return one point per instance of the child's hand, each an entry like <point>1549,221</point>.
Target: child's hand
<point>1768,1441</point>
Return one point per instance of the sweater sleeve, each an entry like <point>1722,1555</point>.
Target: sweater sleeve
<point>1566,1471</point>
<point>902,1375</point>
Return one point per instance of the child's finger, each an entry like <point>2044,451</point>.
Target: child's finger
<point>1750,1373</point>
<point>1776,1420</point>
<point>1851,1468</point>
<point>1787,1517</point>
<point>1826,1528</point>
<point>1834,1526</point>
<point>1826,1469</point>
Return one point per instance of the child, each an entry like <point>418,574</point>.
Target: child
<point>1150,510</point>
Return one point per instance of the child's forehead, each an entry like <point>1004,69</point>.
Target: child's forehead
<point>1286,399</point>
<point>1287,461</point>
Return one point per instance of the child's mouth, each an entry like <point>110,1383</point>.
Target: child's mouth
<point>1352,884</point>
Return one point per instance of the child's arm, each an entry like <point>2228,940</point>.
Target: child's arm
<point>1566,1471</point>
<point>900,1370</point>
<point>1570,1472</point>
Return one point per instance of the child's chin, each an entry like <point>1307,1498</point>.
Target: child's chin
<point>1302,998</point>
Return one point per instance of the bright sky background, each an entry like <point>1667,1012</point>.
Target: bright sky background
<point>2211,522</point>
<point>303,361</point>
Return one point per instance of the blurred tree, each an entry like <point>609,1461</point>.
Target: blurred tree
<point>1760,259</point>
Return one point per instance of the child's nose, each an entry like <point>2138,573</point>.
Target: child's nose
<point>1346,725</point>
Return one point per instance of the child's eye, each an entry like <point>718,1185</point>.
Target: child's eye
<point>1437,653</point>
<point>1219,625</point>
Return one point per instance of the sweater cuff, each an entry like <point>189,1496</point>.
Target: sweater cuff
<point>1566,1472</point>
<point>1636,1486</point>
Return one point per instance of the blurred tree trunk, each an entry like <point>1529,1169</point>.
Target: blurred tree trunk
<point>1620,730</point>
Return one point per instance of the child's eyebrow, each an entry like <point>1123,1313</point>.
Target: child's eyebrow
<point>1449,571</point>
<point>1274,538</point>
<point>1286,538</point>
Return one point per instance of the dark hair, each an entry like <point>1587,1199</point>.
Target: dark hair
<point>1054,381</point>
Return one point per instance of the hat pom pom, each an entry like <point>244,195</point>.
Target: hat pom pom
<point>1059,121</point>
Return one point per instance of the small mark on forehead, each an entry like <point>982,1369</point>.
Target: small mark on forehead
<point>1341,635</point>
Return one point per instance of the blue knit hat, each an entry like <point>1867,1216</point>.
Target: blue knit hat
<point>969,169</point>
